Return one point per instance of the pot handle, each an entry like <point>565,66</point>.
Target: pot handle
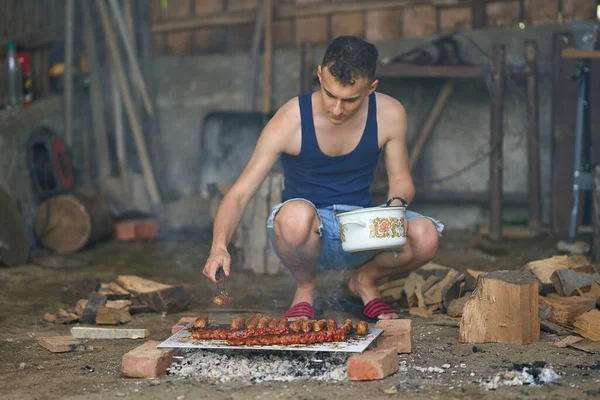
<point>404,203</point>
<point>362,224</point>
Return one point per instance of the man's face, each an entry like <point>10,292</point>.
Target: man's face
<point>343,102</point>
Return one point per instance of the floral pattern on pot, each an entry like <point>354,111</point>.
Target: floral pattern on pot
<point>343,234</point>
<point>386,227</point>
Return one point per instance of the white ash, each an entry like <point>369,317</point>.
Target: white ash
<point>260,366</point>
<point>534,375</point>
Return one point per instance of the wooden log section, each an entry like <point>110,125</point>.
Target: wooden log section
<point>503,308</point>
<point>68,222</point>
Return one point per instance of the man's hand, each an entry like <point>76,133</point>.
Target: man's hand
<point>218,258</point>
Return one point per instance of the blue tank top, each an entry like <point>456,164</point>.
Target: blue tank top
<point>326,180</point>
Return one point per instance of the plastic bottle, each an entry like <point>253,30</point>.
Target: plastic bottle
<point>13,78</point>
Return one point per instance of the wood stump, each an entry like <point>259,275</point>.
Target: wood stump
<point>251,241</point>
<point>503,308</point>
<point>68,222</point>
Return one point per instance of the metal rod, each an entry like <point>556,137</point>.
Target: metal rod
<point>533,137</point>
<point>138,78</point>
<point>496,143</point>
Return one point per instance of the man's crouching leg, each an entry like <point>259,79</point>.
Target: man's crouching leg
<point>296,237</point>
<point>420,247</point>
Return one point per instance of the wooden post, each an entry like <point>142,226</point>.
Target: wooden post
<point>596,197</point>
<point>533,142</point>
<point>69,33</point>
<point>496,143</point>
<point>479,15</point>
<point>254,61</point>
<point>307,67</point>
<point>96,99</point>
<point>268,56</point>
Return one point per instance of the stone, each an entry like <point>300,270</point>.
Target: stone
<point>146,361</point>
<point>124,230</point>
<point>372,364</point>
<point>397,334</point>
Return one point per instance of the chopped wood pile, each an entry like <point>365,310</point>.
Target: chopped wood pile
<point>560,295</point>
<point>89,301</point>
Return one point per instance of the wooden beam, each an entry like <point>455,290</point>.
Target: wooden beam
<point>496,143</point>
<point>431,122</point>
<point>479,15</point>
<point>533,136</point>
<point>293,11</point>
<point>400,70</point>
<point>69,37</point>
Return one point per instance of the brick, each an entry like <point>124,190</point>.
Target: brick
<point>124,230</point>
<point>372,364</point>
<point>146,229</point>
<point>61,344</point>
<point>146,361</point>
<point>397,334</point>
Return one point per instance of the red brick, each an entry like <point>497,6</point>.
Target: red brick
<point>181,324</point>
<point>61,344</point>
<point>372,364</point>
<point>397,334</point>
<point>146,361</point>
<point>146,229</point>
<point>124,230</point>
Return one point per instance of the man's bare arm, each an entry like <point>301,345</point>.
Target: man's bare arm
<point>397,160</point>
<point>274,139</point>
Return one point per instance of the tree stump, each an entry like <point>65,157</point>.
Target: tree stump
<point>503,308</point>
<point>251,241</point>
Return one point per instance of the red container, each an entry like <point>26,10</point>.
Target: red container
<point>25,61</point>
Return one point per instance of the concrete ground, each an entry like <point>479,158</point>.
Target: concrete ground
<point>28,371</point>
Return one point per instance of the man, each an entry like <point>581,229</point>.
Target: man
<point>329,143</point>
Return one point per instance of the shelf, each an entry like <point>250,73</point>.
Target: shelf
<point>399,70</point>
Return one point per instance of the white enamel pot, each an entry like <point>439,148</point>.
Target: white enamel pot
<point>373,228</point>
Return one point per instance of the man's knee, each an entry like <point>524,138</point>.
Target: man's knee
<point>423,238</point>
<point>295,223</point>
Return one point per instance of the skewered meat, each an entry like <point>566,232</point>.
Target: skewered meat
<point>292,338</point>
<point>296,326</point>
<point>221,299</point>
<point>331,325</point>
<point>307,326</point>
<point>320,325</point>
<point>227,334</point>
<point>253,321</point>
<point>283,322</point>
<point>237,324</point>
<point>362,328</point>
<point>201,322</point>
<point>264,322</point>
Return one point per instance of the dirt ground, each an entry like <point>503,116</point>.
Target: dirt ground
<point>28,371</point>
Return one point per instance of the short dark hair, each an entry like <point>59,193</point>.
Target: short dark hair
<point>349,57</point>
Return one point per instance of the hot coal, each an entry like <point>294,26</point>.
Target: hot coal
<point>257,366</point>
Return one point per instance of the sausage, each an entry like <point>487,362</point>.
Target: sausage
<point>292,338</point>
<point>362,328</point>
<point>221,299</point>
<point>320,325</point>
<point>273,324</point>
<point>253,321</point>
<point>237,324</point>
<point>201,322</point>
<point>283,323</point>
<point>296,326</point>
<point>331,325</point>
<point>307,326</point>
<point>264,322</point>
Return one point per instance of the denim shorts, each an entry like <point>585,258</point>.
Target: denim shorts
<point>332,256</point>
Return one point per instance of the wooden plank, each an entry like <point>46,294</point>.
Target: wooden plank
<point>383,24</point>
<point>571,52</point>
<point>503,14</point>
<point>268,56</point>
<point>419,20</point>
<point>596,201</point>
<point>455,18</point>
<point>540,11</point>
<point>81,332</point>
<point>311,29</point>
<point>179,42</point>
<point>431,71</point>
<point>348,24</point>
